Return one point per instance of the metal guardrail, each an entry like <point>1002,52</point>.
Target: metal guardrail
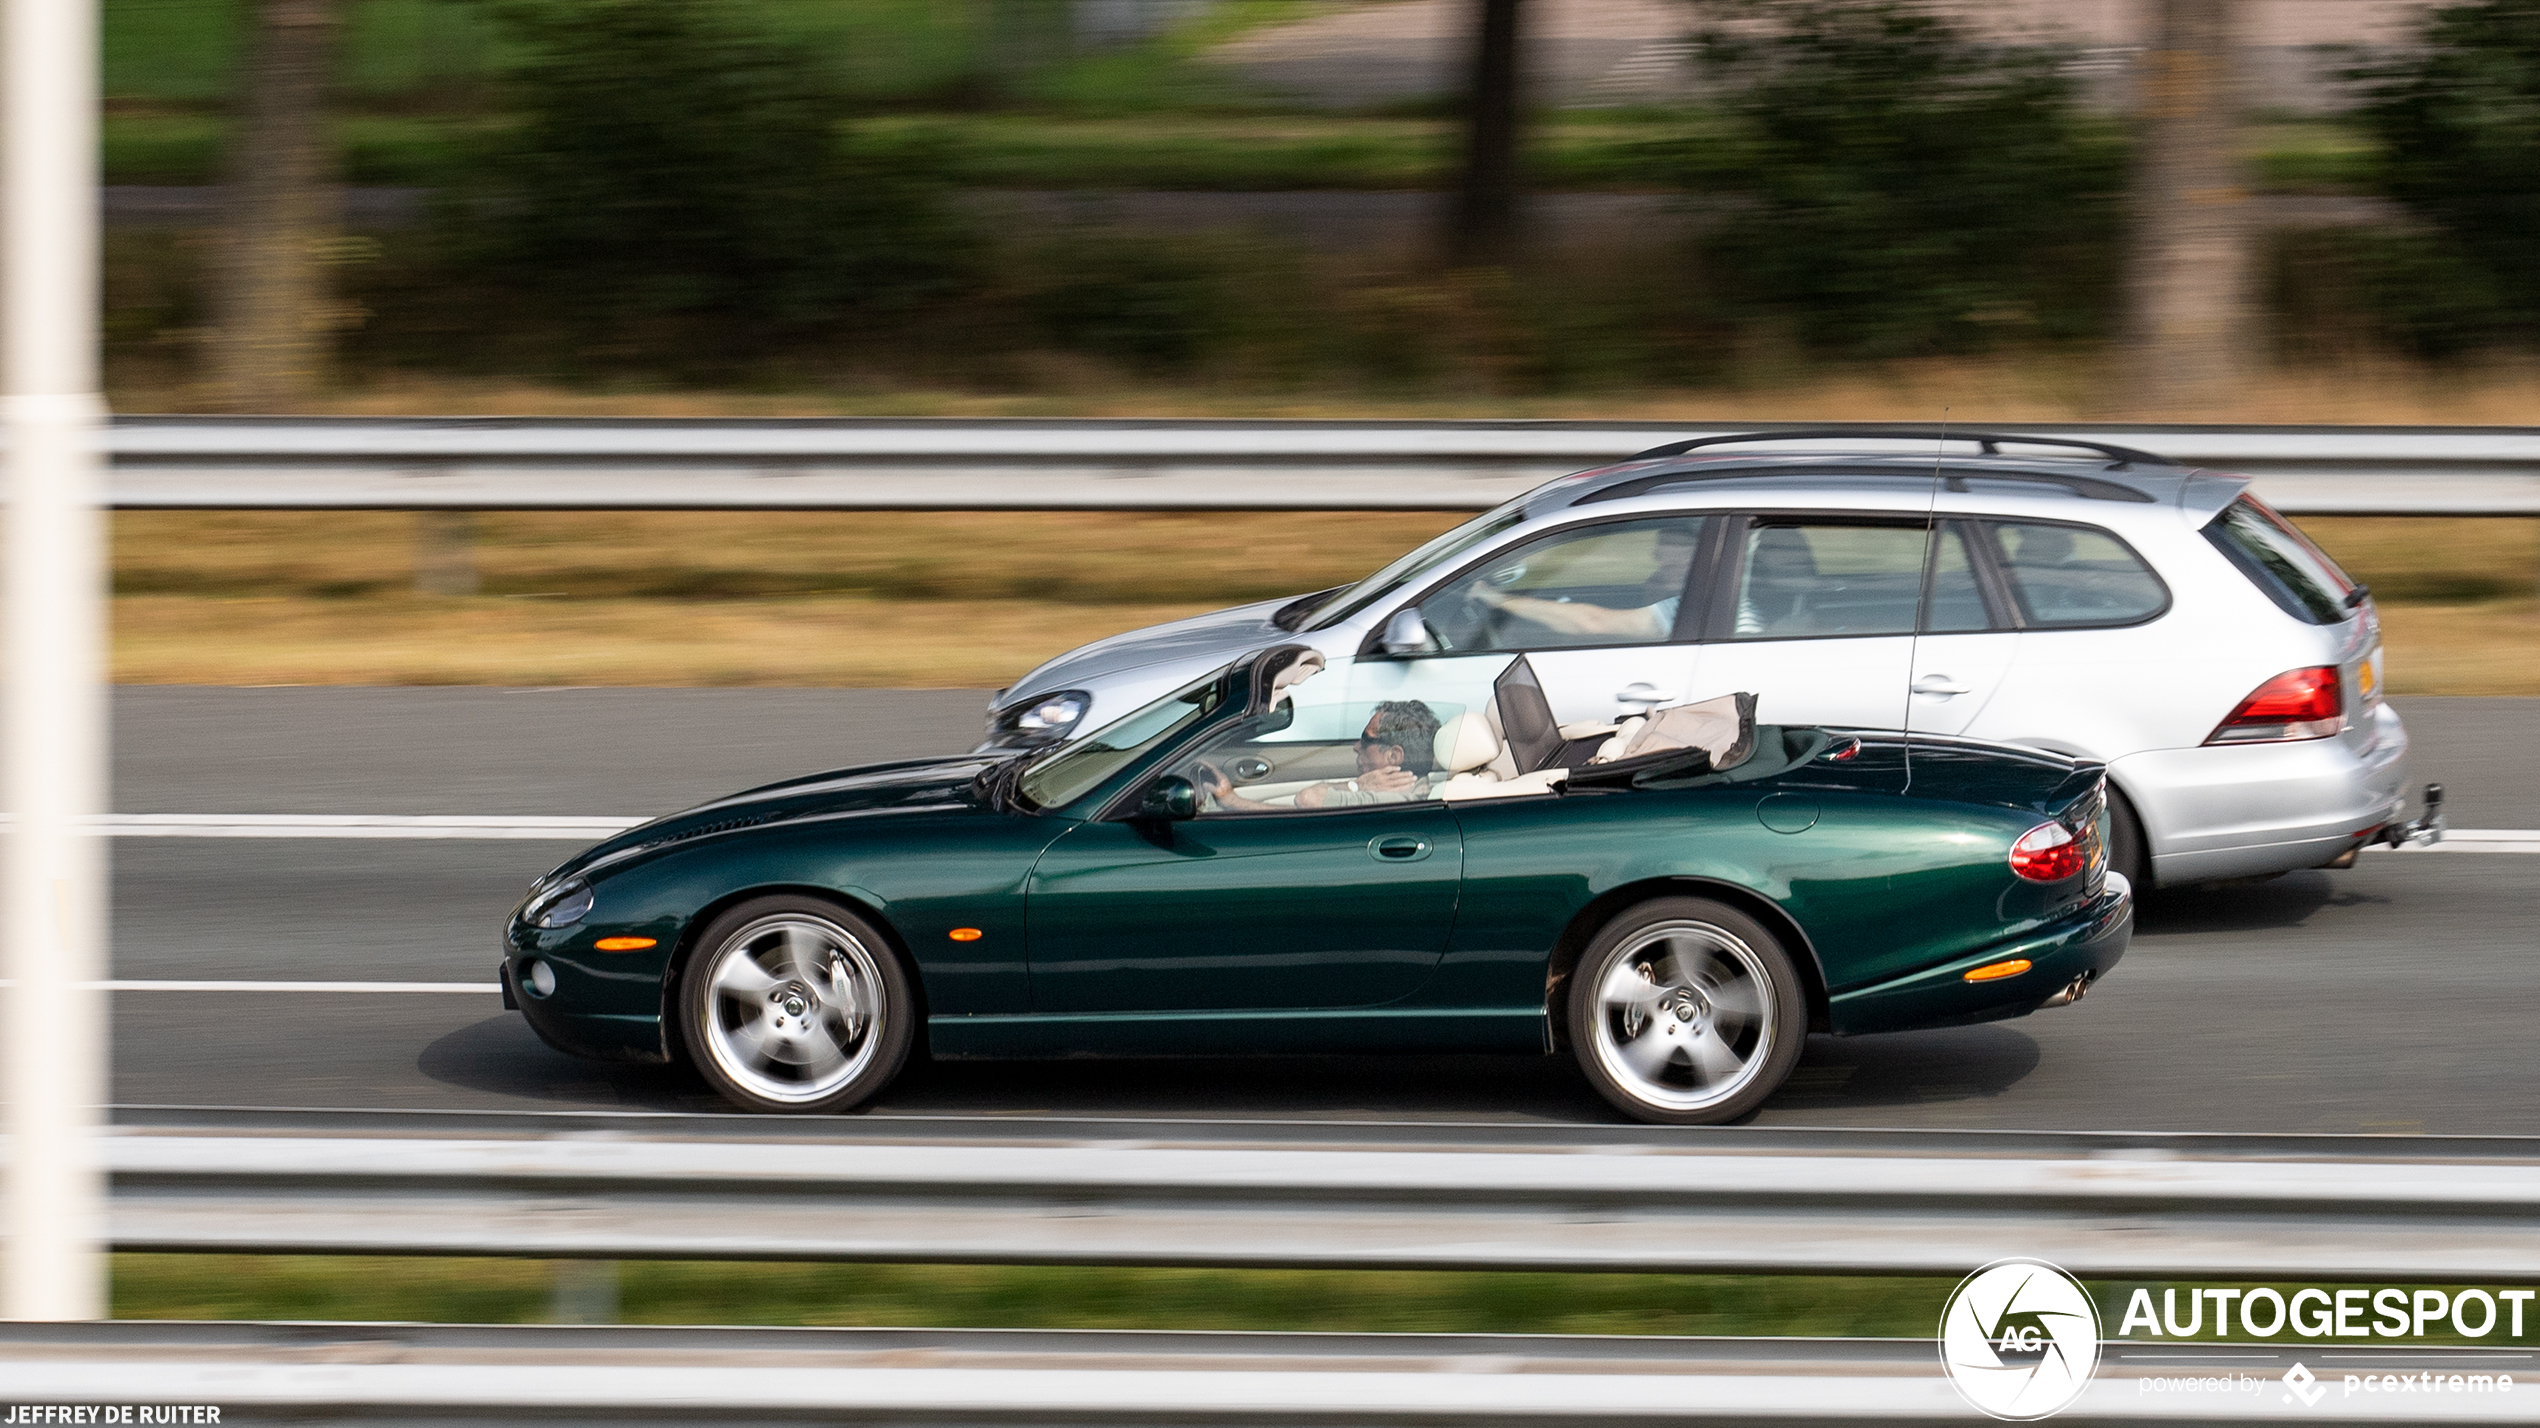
<point>551,1375</point>
<point>2192,1207</point>
<point>875,464</point>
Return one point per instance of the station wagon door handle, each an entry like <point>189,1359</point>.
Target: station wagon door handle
<point>1400,848</point>
<point>1939,686</point>
<point>1643,694</point>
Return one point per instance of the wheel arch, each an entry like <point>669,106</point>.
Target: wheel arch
<point>674,1043</point>
<point>1592,918</point>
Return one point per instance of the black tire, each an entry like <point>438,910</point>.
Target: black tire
<point>819,1019</point>
<point>2129,852</point>
<point>1702,962</point>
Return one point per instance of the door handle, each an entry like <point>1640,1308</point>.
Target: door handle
<point>1643,694</point>
<point>1400,848</point>
<point>1939,686</point>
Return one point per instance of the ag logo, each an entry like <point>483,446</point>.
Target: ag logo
<point>2020,1339</point>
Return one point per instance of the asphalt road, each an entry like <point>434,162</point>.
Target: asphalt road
<point>2386,998</point>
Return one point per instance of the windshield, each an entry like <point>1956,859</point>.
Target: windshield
<point>1441,551</point>
<point>1077,769</point>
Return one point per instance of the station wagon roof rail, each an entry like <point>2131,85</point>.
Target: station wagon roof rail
<point>1988,442</point>
<point>2087,487</point>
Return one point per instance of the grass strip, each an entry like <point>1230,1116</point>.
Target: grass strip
<point>507,1291</point>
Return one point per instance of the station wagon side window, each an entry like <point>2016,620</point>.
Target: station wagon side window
<point>1609,583</point>
<point>2066,576</point>
<point>1801,578</point>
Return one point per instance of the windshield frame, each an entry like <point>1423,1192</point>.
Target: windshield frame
<point>1216,683</point>
<point>1438,551</point>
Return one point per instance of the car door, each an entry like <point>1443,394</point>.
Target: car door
<point>1815,613</point>
<point>1602,610</point>
<point>1306,880</point>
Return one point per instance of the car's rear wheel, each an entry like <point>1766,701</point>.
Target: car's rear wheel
<point>794,1004</point>
<point>2129,852</point>
<point>1685,1011</point>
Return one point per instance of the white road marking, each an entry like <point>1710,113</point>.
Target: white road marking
<point>478,989</point>
<point>363,825</point>
<point>2482,840</point>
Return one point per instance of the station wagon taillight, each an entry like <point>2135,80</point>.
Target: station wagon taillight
<point>2049,853</point>
<point>2297,704</point>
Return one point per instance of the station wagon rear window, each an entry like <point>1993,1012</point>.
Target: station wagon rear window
<point>2297,575</point>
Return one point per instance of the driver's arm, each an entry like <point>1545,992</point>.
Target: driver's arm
<point>1576,619</point>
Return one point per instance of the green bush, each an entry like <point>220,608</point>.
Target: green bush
<point>1899,187</point>
<point>673,169</point>
<point>2457,118</point>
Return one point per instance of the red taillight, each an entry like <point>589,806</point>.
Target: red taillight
<point>2297,704</point>
<point>2049,853</point>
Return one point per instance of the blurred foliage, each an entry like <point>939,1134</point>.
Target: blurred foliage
<point>674,174</point>
<point>2456,115</point>
<point>1903,187</point>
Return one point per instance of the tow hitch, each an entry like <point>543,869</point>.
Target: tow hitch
<point>2426,829</point>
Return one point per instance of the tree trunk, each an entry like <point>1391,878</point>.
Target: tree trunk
<point>1484,225</point>
<point>273,316</point>
<point>2191,326</point>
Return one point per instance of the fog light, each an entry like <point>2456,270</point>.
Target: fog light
<point>540,976</point>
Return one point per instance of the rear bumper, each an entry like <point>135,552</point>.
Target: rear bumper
<point>2236,811</point>
<point>2085,944</point>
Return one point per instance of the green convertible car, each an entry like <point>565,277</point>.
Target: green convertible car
<point>1382,855</point>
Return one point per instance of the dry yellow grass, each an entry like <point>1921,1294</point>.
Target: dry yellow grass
<point>882,643</point>
<point>946,600</point>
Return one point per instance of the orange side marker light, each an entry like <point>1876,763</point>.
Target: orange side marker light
<point>623,944</point>
<point>1996,971</point>
<point>967,934</point>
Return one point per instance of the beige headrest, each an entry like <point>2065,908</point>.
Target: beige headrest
<point>1465,742</point>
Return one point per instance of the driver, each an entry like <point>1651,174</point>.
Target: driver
<point>1396,755</point>
<point>1653,621</point>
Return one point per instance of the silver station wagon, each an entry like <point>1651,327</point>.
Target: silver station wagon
<point>2086,599</point>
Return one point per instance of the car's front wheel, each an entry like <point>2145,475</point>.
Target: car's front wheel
<point>794,1004</point>
<point>1685,1011</point>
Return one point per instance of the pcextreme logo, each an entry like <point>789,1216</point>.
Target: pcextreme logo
<point>2020,1339</point>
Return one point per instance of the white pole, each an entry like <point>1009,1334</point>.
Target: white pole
<point>52,901</point>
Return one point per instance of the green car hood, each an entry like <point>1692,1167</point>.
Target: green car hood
<point>909,786</point>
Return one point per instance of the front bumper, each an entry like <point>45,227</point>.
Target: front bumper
<point>2086,943</point>
<point>2246,810</point>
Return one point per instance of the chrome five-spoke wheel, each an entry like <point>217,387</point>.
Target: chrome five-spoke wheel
<point>1687,1012</point>
<point>796,1006</point>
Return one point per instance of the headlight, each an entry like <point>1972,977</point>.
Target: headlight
<point>1039,723</point>
<point>563,905</point>
<point>1055,715</point>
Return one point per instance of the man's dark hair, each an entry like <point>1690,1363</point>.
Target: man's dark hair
<point>1408,724</point>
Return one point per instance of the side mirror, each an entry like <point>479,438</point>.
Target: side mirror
<point>1406,633</point>
<point>1170,800</point>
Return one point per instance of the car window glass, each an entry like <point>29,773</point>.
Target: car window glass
<point>2071,575</point>
<point>1619,583</point>
<point>1804,578</point>
<point>1321,756</point>
<point>1442,551</point>
<point>1068,774</point>
<point>2297,575</point>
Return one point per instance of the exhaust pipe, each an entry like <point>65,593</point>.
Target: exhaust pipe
<point>2073,991</point>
